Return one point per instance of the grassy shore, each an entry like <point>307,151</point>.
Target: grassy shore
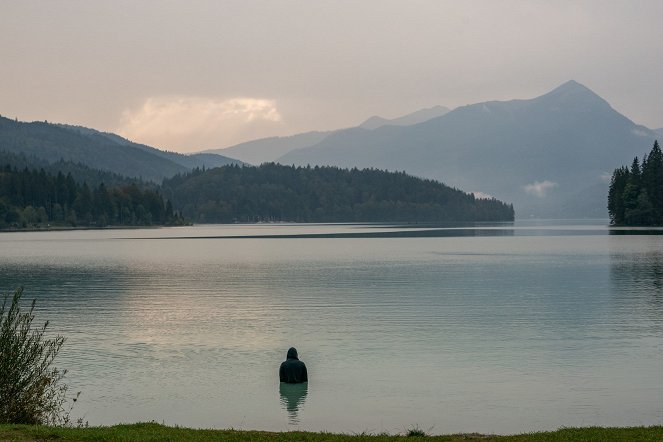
<point>157,432</point>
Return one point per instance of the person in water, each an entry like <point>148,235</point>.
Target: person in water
<point>293,371</point>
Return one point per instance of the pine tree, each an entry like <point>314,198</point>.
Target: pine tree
<point>616,207</point>
<point>652,180</point>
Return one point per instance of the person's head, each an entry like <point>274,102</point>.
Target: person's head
<point>292,353</point>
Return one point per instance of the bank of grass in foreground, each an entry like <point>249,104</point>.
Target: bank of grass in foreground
<point>156,432</point>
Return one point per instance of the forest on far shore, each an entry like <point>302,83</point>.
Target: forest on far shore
<point>31,198</point>
<point>35,198</point>
<point>273,192</point>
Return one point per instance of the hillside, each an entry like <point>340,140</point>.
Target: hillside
<point>79,172</point>
<point>551,155</point>
<point>97,150</point>
<point>322,194</point>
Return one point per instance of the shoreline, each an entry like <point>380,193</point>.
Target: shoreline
<point>152,431</point>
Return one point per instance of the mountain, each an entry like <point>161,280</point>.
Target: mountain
<point>266,150</point>
<point>94,149</point>
<point>550,156</point>
<point>191,161</point>
<point>406,120</point>
<point>659,132</point>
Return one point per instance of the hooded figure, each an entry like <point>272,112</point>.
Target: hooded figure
<point>293,371</point>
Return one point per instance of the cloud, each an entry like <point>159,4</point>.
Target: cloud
<point>482,196</point>
<point>539,188</point>
<point>606,177</point>
<point>196,123</point>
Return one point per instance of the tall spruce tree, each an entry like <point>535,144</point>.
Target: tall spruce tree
<point>652,180</point>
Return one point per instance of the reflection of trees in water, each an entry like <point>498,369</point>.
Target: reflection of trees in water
<point>292,399</point>
<point>637,280</point>
<point>59,280</point>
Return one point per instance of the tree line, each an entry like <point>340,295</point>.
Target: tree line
<point>635,197</point>
<point>34,198</point>
<point>273,192</point>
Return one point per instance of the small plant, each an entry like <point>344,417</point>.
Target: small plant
<point>415,431</point>
<point>32,390</point>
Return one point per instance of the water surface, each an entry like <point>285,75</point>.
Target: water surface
<point>494,329</point>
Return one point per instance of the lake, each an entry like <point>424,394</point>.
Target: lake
<point>492,329</point>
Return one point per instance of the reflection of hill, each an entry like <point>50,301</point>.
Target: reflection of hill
<point>293,397</point>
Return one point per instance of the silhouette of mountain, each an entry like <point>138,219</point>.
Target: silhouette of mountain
<point>97,150</point>
<point>406,120</point>
<point>550,156</point>
<point>191,161</point>
<point>267,150</point>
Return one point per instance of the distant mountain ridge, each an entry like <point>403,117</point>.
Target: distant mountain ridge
<point>548,155</point>
<point>97,150</point>
<point>270,149</point>
<point>406,120</point>
<point>190,161</point>
<point>267,150</point>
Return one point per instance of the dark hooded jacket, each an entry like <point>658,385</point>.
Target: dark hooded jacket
<point>293,371</point>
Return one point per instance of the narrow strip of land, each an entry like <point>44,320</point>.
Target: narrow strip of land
<point>157,432</point>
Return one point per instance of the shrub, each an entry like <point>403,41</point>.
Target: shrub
<point>32,390</point>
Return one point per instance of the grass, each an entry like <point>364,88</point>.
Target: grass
<point>156,432</point>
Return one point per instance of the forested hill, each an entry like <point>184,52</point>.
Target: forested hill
<point>322,194</point>
<point>79,172</point>
<point>98,150</point>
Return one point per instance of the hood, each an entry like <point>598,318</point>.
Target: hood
<point>292,353</point>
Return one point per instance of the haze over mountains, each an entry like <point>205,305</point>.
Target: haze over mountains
<point>551,156</point>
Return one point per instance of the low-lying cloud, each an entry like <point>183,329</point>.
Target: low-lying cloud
<point>188,124</point>
<point>482,196</point>
<point>539,188</point>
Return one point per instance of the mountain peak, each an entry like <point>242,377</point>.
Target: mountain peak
<point>574,94</point>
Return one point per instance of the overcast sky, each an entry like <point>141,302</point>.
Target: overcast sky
<point>192,75</point>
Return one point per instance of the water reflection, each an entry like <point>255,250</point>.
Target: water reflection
<point>293,397</point>
<point>637,279</point>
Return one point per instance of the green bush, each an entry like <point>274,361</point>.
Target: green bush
<point>32,390</point>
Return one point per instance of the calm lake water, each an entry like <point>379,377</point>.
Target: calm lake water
<point>501,329</point>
